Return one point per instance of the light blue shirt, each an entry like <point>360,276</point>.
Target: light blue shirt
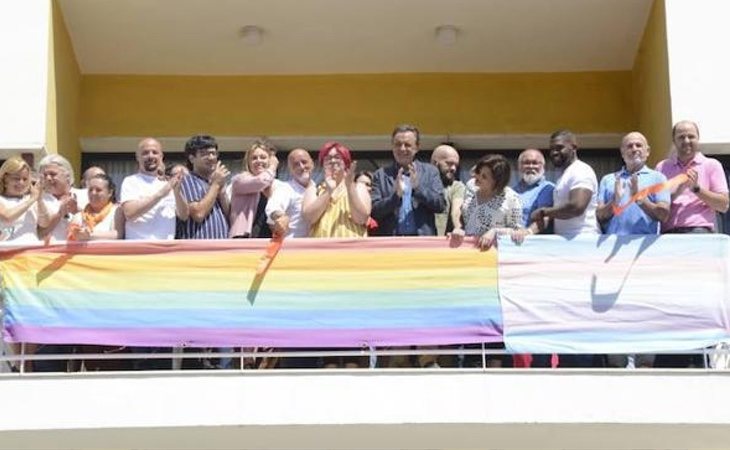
<point>633,220</point>
<point>534,196</point>
<point>406,221</point>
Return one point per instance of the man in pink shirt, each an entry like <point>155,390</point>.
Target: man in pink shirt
<point>695,202</point>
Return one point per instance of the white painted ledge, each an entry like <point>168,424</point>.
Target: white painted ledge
<point>368,409</point>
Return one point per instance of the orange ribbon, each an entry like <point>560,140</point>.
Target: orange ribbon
<point>272,249</point>
<point>653,189</point>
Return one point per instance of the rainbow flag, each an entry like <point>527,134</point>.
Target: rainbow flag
<point>316,293</point>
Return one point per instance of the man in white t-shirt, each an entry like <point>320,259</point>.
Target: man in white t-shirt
<point>150,204</point>
<point>575,199</point>
<point>575,194</point>
<point>149,201</point>
<point>284,208</point>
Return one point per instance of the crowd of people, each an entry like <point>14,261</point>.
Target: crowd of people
<point>407,197</point>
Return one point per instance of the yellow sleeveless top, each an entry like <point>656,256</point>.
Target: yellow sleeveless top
<point>336,221</point>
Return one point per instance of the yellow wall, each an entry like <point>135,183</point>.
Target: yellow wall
<point>651,84</point>
<point>587,102</point>
<point>64,89</point>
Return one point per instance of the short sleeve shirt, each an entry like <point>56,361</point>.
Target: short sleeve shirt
<point>158,223</point>
<point>687,210</point>
<point>578,175</point>
<point>633,220</point>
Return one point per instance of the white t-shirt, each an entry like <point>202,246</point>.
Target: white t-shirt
<point>23,229</point>
<point>157,223</point>
<point>60,231</point>
<point>287,197</point>
<point>82,197</point>
<point>577,175</point>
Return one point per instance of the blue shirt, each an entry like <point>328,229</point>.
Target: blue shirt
<point>533,196</point>
<point>215,225</point>
<point>633,220</point>
<point>406,221</point>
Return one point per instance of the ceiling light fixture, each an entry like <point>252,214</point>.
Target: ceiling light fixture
<point>251,34</point>
<point>446,35</point>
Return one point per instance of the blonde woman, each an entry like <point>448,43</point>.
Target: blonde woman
<point>21,213</point>
<point>250,191</point>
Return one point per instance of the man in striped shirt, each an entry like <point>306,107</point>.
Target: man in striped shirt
<point>204,191</point>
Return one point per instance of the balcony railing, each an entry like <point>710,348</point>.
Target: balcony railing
<point>381,297</point>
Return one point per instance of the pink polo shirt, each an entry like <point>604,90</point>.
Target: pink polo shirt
<point>687,210</point>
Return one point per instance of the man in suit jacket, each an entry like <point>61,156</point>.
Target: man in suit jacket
<point>408,193</point>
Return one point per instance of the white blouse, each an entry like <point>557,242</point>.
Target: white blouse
<point>22,229</point>
<point>504,210</point>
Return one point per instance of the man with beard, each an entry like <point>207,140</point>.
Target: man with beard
<point>284,209</point>
<point>150,205</point>
<point>446,160</point>
<point>407,193</point>
<point>204,191</point>
<point>535,191</point>
<point>575,195</point>
<point>284,213</point>
<point>641,217</point>
<point>574,205</point>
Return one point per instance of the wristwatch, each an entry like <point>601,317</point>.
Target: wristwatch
<point>640,201</point>
<point>695,188</point>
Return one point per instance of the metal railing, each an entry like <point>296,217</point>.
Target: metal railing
<point>717,358</point>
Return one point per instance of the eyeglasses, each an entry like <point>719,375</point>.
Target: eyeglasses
<point>208,152</point>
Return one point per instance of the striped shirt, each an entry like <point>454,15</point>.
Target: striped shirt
<point>215,225</point>
<point>336,221</point>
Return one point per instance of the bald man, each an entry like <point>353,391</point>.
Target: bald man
<point>446,160</point>
<point>645,215</point>
<point>284,208</point>
<point>642,217</point>
<point>151,204</point>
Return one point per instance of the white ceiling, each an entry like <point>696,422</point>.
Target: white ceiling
<point>201,37</point>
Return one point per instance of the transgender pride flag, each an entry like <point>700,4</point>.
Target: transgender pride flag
<point>614,294</point>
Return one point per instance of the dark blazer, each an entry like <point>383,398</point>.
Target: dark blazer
<point>427,198</point>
